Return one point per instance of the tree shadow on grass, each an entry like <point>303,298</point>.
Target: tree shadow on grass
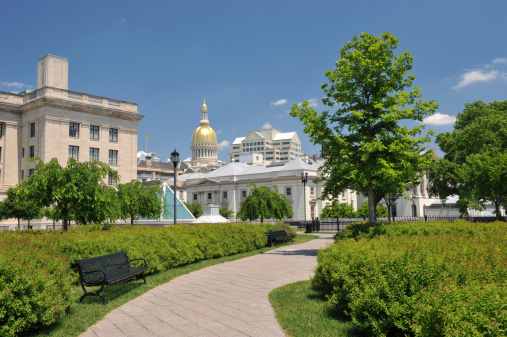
<point>335,313</point>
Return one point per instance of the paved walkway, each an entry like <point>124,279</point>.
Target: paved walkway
<point>229,299</point>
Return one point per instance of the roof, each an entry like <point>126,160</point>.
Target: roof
<point>238,140</point>
<point>242,171</point>
<point>285,135</point>
<point>259,134</point>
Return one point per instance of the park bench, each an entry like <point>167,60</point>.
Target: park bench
<point>106,271</point>
<point>279,237</point>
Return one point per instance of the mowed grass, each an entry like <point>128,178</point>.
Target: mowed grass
<point>82,316</point>
<point>303,312</point>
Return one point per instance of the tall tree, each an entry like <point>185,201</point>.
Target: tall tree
<point>474,157</point>
<point>264,203</point>
<point>137,200</point>
<point>366,140</point>
<point>75,192</point>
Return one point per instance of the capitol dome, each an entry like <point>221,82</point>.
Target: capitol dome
<point>204,144</point>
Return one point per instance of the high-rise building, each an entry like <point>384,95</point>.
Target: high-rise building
<point>54,122</point>
<point>275,146</point>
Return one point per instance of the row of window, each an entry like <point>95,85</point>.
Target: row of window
<point>94,154</point>
<point>111,180</point>
<point>288,192</point>
<point>94,132</point>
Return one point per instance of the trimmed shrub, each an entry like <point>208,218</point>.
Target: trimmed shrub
<point>37,269</point>
<point>441,280</point>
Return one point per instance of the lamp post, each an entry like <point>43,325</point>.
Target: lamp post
<point>304,180</point>
<point>175,158</point>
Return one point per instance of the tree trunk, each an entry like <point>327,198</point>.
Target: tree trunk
<point>19,224</point>
<point>65,224</point>
<point>388,212</point>
<point>497,211</point>
<point>371,204</point>
<point>132,220</point>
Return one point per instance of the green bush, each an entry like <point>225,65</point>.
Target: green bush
<point>37,269</point>
<point>439,279</point>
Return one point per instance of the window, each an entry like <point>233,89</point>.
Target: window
<point>243,194</point>
<point>181,195</point>
<point>113,157</point>
<point>94,154</point>
<point>32,129</point>
<point>73,130</point>
<point>288,191</point>
<point>209,195</point>
<point>32,151</point>
<point>74,152</point>
<point>23,153</point>
<point>22,174</point>
<point>113,135</point>
<point>111,180</point>
<point>224,194</point>
<point>1,130</point>
<point>195,196</point>
<point>312,191</point>
<point>94,132</point>
<point>30,172</point>
<point>0,154</point>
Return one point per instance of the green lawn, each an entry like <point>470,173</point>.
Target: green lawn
<point>302,312</point>
<point>82,316</point>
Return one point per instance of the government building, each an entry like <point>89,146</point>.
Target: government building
<point>55,122</point>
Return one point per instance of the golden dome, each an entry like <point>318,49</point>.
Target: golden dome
<point>204,134</point>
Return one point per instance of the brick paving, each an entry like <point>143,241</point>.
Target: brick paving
<point>229,299</point>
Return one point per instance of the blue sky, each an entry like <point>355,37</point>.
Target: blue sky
<point>250,60</point>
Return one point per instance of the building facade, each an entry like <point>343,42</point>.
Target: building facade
<point>275,146</point>
<point>228,186</point>
<point>54,122</point>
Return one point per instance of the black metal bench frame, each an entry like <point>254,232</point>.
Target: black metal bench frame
<point>279,237</point>
<point>106,271</point>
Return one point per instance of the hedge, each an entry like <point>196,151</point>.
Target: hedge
<point>37,271</point>
<point>420,279</point>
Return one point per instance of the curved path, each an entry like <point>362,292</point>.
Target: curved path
<point>229,299</point>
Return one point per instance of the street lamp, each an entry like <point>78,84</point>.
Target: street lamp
<point>175,158</point>
<point>304,180</point>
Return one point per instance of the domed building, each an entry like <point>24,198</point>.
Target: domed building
<point>204,145</point>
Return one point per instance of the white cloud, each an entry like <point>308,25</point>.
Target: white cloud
<point>218,131</point>
<point>500,60</point>
<point>14,84</point>
<point>267,125</point>
<point>439,119</point>
<point>279,102</point>
<point>476,76</point>
<point>223,144</point>
<point>122,20</point>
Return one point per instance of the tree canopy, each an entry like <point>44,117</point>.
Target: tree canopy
<point>366,140</point>
<point>19,207</point>
<point>75,192</point>
<point>474,165</point>
<point>264,203</point>
<point>338,210</point>
<point>137,200</point>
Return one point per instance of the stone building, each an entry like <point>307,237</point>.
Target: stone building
<point>55,122</point>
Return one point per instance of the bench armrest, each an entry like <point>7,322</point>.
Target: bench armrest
<point>137,260</point>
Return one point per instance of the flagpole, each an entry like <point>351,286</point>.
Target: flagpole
<point>146,143</point>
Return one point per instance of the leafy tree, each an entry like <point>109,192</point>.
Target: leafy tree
<point>264,203</point>
<point>225,212</point>
<point>365,140</point>
<point>75,192</point>
<point>338,210</point>
<point>195,208</point>
<point>19,207</point>
<point>137,200</point>
<point>478,141</point>
<point>364,211</point>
